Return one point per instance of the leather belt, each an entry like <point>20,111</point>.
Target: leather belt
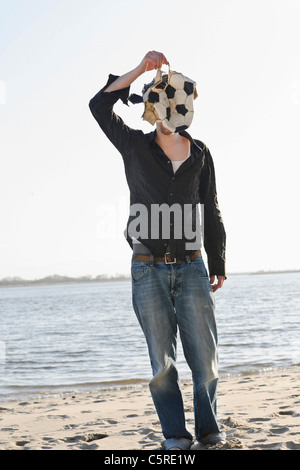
<point>167,258</point>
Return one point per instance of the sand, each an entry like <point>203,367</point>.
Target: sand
<point>258,412</point>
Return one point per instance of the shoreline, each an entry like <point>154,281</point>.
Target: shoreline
<point>258,411</point>
<point>57,280</point>
<point>48,391</point>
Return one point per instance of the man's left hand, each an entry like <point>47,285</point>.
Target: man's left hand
<point>219,284</point>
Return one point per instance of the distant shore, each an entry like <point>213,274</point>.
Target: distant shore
<point>56,279</point>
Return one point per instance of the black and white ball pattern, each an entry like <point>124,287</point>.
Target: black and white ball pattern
<point>171,100</point>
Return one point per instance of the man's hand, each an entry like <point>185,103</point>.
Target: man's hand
<point>153,60</point>
<point>219,284</point>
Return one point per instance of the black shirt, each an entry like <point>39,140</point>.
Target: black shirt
<point>151,181</point>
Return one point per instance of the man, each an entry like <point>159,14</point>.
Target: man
<point>170,285</point>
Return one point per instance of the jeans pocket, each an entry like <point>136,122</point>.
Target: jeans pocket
<point>199,266</point>
<point>139,271</point>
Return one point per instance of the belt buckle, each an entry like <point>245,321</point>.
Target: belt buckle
<point>169,262</point>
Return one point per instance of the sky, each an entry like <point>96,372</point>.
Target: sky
<point>63,195</point>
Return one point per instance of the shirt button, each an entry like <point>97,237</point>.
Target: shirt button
<point>171,194</point>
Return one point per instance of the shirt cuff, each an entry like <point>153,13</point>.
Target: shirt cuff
<point>217,268</point>
<point>122,94</point>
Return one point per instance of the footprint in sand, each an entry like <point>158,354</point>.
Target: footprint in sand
<point>21,443</point>
<point>12,428</point>
<point>57,416</point>
<point>279,429</point>
<point>86,437</point>
<point>254,420</point>
<point>292,445</point>
<point>112,421</point>
<point>286,412</point>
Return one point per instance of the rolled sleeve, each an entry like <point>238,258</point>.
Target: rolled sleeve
<point>105,100</point>
<point>101,106</point>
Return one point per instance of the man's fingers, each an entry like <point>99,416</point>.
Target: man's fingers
<point>155,60</point>
<point>219,284</point>
<point>166,62</point>
<point>153,55</point>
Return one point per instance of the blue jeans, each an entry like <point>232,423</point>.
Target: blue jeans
<point>166,297</point>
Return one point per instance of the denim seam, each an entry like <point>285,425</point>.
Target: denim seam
<point>177,284</point>
<point>201,273</point>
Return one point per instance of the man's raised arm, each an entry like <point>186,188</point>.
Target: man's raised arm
<point>101,105</point>
<point>152,60</point>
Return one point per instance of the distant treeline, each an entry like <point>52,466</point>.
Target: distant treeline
<point>57,279</point>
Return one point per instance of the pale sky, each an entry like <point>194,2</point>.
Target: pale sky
<point>59,173</point>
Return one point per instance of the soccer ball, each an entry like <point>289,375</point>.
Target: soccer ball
<point>171,101</point>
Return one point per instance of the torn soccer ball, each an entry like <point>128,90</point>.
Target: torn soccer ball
<point>169,98</point>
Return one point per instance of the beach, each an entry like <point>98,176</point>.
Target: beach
<point>74,369</point>
<point>258,411</point>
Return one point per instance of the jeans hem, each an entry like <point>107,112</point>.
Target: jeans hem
<point>213,438</point>
<point>181,442</point>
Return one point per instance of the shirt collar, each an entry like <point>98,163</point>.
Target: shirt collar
<point>151,136</point>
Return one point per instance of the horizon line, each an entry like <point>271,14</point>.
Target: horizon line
<point>61,279</point>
